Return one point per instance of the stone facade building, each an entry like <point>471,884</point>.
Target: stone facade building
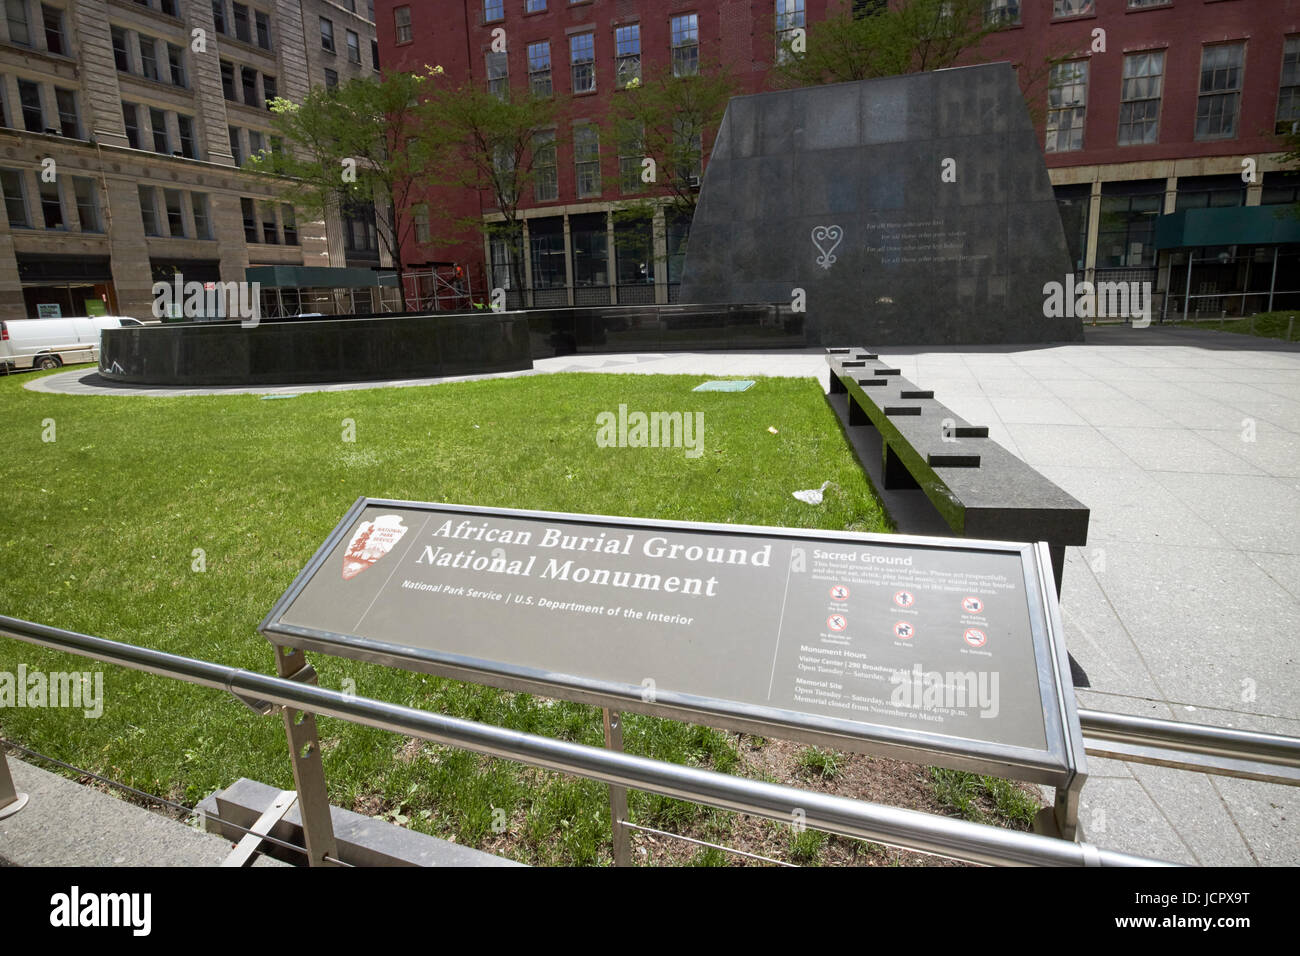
<point>123,124</point>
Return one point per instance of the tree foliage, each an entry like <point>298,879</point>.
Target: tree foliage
<point>356,143</point>
<point>909,37</point>
<point>495,145</point>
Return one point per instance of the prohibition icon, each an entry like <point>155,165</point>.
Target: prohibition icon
<point>839,593</point>
<point>837,622</point>
<point>975,637</point>
<point>904,599</point>
<point>972,605</point>
<point>904,630</point>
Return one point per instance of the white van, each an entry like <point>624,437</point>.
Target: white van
<point>49,343</point>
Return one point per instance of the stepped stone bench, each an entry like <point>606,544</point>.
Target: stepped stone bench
<point>978,487</point>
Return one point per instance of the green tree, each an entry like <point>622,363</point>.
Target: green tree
<point>497,145</point>
<point>907,37</point>
<point>359,142</point>
<point>664,128</point>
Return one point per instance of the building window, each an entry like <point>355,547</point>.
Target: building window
<point>19,30</point>
<point>1209,192</point>
<point>202,222</point>
<point>268,90</point>
<point>130,118</point>
<point>586,158</point>
<point>546,239</point>
<point>631,153</point>
<point>263,23</point>
<point>1126,230</point>
<point>686,45</point>
<point>290,222</point>
<point>29,97</point>
<point>241,22</point>
<point>331,79</point>
<point>158,123</point>
<point>1288,97</point>
<point>228,81</point>
<point>402,24</point>
<point>688,142</point>
<point>534,6</point>
<point>249,214</point>
<point>627,47</point>
<point>256,142</point>
<point>539,68</point>
<point>235,151</point>
<point>1002,12</point>
<point>176,62</point>
<point>219,15</point>
<point>546,181</point>
<point>582,60</point>
<point>494,10</point>
<point>1067,99</point>
<point>1071,8</point>
<point>420,215</point>
<point>248,82</point>
<point>148,58</point>
<point>54,41</point>
<point>374,54</point>
<point>87,204</point>
<point>1220,96</point>
<point>185,125</point>
<point>498,76</point>
<point>120,55</point>
<point>789,17</point>
<point>69,122</point>
<point>270,234</point>
<point>354,46</point>
<point>1139,4</point>
<point>11,182</point>
<point>52,205</point>
<point>149,210</point>
<point>175,213</point>
<point>589,237</point>
<point>326,35</point>
<point>1140,91</point>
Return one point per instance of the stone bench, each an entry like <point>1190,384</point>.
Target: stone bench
<point>979,488</point>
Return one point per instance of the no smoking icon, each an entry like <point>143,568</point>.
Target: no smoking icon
<point>837,622</point>
<point>975,637</point>
<point>904,599</point>
<point>839,593</point>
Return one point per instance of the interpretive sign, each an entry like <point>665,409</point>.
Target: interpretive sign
<point>921,648</point>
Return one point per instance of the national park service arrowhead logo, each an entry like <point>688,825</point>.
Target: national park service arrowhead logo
<point>372,540</point>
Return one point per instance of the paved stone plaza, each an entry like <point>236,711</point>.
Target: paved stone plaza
<point>1186,602</point>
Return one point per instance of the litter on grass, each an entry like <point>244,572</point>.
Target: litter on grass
<point>725,385</point>
<point>812,496</point>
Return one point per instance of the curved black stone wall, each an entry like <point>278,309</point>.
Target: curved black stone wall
<point>327,350</point>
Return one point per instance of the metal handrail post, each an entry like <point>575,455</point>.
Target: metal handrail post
<point>11,801</point>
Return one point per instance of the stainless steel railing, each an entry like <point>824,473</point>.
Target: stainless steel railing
<point>908,829</point>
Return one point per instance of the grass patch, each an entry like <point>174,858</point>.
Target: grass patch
<point>108,523</point>
<point>823,763</point>
<point>983,799</point>
<point>1266,325</point>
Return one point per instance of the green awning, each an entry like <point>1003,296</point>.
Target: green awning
<point>317,277</point>
<point>1229,226</point>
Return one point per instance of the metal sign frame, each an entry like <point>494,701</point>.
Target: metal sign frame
<point>1061,765</point>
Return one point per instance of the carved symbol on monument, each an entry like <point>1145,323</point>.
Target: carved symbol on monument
<point>831,234</point>
<point>373,540</point>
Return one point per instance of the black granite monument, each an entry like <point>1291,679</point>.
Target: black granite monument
<point>909,210</point>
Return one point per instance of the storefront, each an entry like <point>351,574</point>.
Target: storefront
<point>57,286</point>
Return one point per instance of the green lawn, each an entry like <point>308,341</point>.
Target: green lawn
<point>1268,325</point>
<point>102,525</point>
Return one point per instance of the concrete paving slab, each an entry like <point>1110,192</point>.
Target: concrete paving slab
<point>1163,449</point>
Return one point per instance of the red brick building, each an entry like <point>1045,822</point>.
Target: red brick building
<point>1145,127</point>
